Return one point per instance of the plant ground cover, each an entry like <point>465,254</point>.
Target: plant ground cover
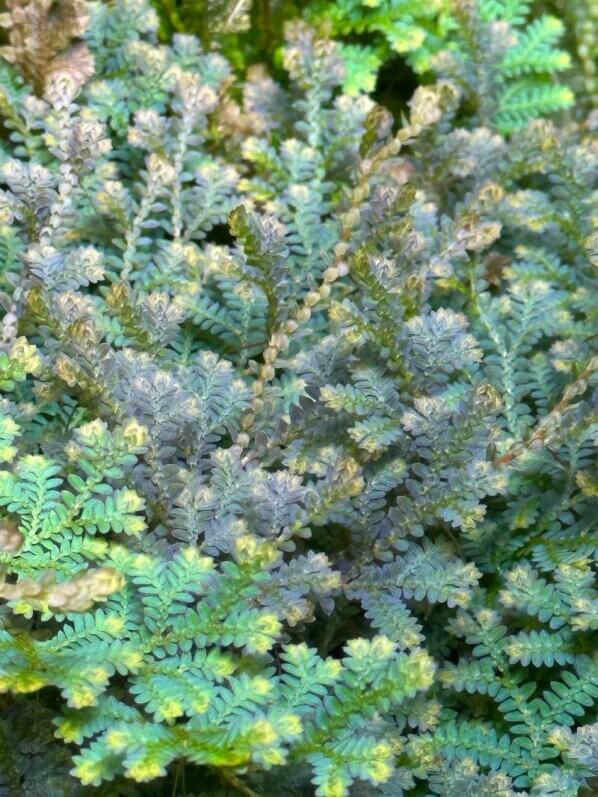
<point>298,484</point>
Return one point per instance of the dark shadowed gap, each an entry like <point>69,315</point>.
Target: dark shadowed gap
<point>395,86</point>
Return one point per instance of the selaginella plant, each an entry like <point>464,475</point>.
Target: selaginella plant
<point>505,63</point>
<point>297,493</point>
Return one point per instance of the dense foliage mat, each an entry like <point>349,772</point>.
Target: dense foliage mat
<point>298,421</point>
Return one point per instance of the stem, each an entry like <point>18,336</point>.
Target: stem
<point>266,24</point>
<point>176,779</point>
<point>537,438</point>
<point>179,164</point>
<point>236,783</point>
<point>134,233</point>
